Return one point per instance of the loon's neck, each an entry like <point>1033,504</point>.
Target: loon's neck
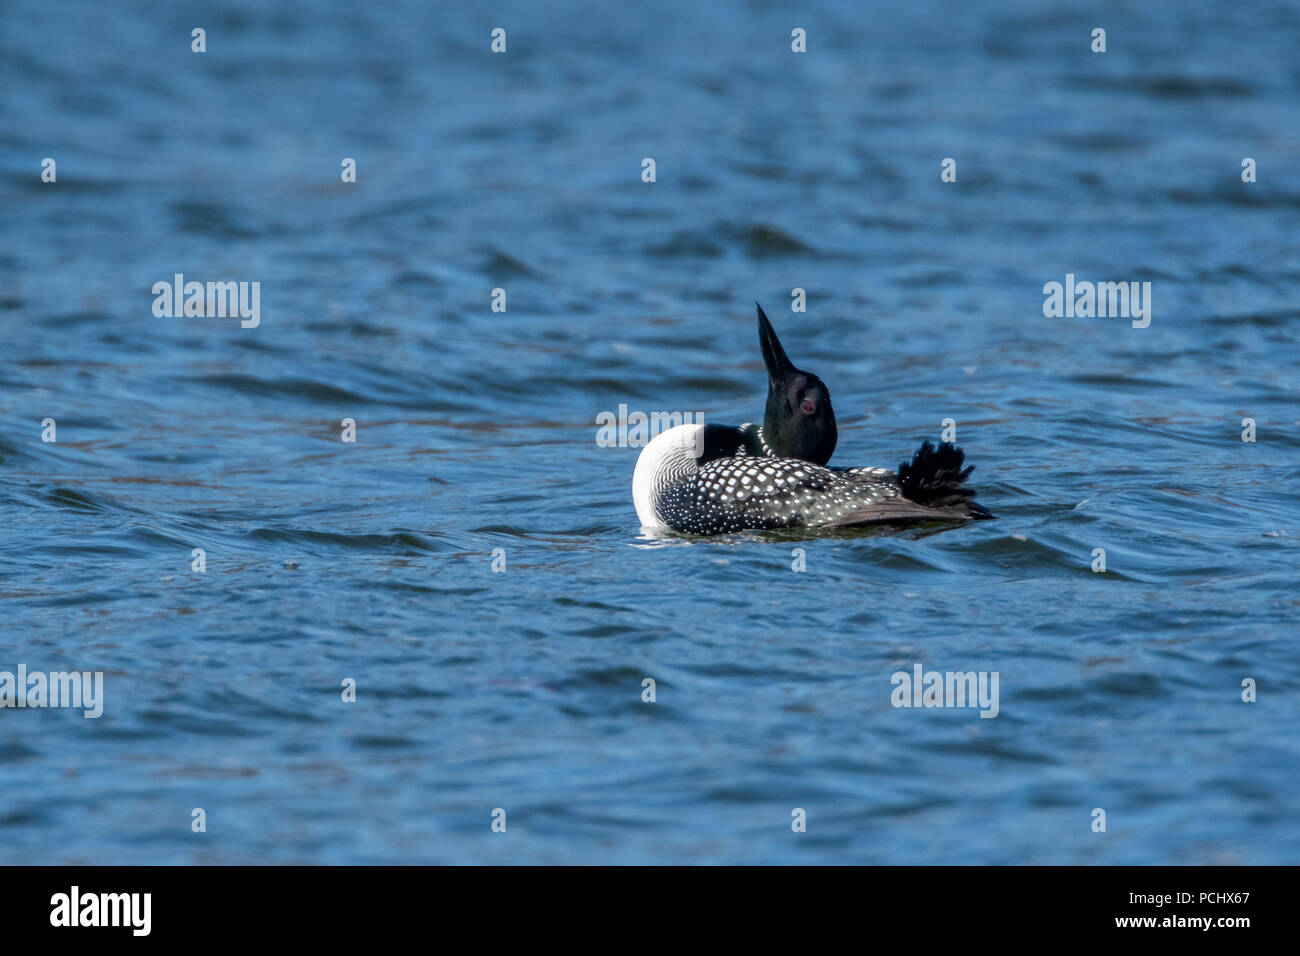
<point>754,441</point>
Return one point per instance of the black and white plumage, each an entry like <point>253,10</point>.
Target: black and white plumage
<point>720,479</point>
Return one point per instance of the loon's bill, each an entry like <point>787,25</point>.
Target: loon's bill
<point>719,479</point>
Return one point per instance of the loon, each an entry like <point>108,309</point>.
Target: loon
<point>720,479</point>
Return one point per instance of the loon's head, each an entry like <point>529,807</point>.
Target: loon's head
<point>799,421</point>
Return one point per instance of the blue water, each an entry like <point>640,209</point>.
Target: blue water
<point>476,431</point>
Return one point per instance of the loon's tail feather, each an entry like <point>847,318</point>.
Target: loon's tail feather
<point>935,478</point>
<point>933,490</point>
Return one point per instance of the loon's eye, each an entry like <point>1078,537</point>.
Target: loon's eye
<point>808,406</point>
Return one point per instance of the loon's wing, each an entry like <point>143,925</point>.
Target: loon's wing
<point>862,471</point>
<point>901,511</point>
<point>749,493</point>
<point>743,492</point>
<point>932,487</point>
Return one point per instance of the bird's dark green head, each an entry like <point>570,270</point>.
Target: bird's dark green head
<point>799,421</point>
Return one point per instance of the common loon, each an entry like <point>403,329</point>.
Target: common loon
<point>719,479</point>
